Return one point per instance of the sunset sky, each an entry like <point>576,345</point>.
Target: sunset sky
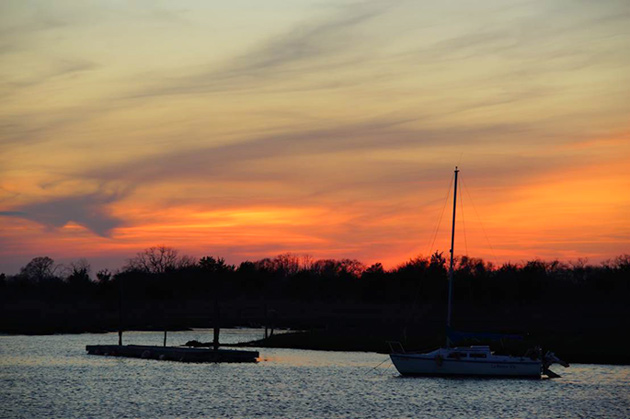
<point>246,129</point>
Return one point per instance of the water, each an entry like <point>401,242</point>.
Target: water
<point>51,376</point>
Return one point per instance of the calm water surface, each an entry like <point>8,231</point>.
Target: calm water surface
<point>51,376</point>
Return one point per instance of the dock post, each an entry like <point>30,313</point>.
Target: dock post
<point>217,315</point>
<point>271,320</point>
<point>120,312</point>
<point>266,322</point>
<point>165,337</point>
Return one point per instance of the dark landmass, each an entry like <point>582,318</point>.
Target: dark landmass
<point>579,311</point>
<point>573,350</point>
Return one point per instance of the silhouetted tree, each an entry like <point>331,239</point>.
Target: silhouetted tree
<point>286,264</point>
<point>351,267</point>
<point>307,262</point>
<point>375,269</point>
<point>39,269</point>
<point>413,269</point>
<point>210,264</point>
<point>79,273</point>
<point>620,263</point>
<point>158,284</point>
<point>438,261</point>
<point>103,276</point>
<point>158,260</point>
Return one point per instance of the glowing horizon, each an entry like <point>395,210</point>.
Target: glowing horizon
<point>252,129</point>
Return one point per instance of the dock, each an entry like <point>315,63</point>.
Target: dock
<point>174,353</point>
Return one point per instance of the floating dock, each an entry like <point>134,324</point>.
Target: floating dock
<point>174,353</point>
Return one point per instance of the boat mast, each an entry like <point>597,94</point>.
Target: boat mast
<point>450,269</point>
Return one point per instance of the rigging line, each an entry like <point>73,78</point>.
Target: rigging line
<point>461,209</point>
<point>411,313</point>
<point>479,218</point>
<point>437,227</point>
<point>379,364</point>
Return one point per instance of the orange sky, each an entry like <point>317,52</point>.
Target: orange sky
<point>249,129</point>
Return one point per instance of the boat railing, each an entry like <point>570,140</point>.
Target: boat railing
<point>395,347</point>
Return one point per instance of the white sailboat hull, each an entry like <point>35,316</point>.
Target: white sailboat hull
<point>426,364</point>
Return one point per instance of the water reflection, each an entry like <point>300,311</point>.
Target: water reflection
<point>52,376</point>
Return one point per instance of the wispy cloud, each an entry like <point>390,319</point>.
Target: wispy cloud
<point>312,47</point>
<point>522,42</point>
<point>358,161</point>
<point>354,108</point>
<point>221,161</point>
<point>56,69</point>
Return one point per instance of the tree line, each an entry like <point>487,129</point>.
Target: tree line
<point>162,273</point>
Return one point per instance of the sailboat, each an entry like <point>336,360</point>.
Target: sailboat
<point>470,360</point>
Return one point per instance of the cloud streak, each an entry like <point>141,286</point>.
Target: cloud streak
<point>310,48</point>
<point>360,137</point>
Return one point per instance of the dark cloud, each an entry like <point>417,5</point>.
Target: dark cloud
<point>12,213</point>
<point>344,160</point>
<point>222,160</point>
<point>89,211</point>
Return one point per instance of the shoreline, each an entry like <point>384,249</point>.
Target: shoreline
<point>301,340</point>
<point>342,341</point>
<point>571,348</point>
